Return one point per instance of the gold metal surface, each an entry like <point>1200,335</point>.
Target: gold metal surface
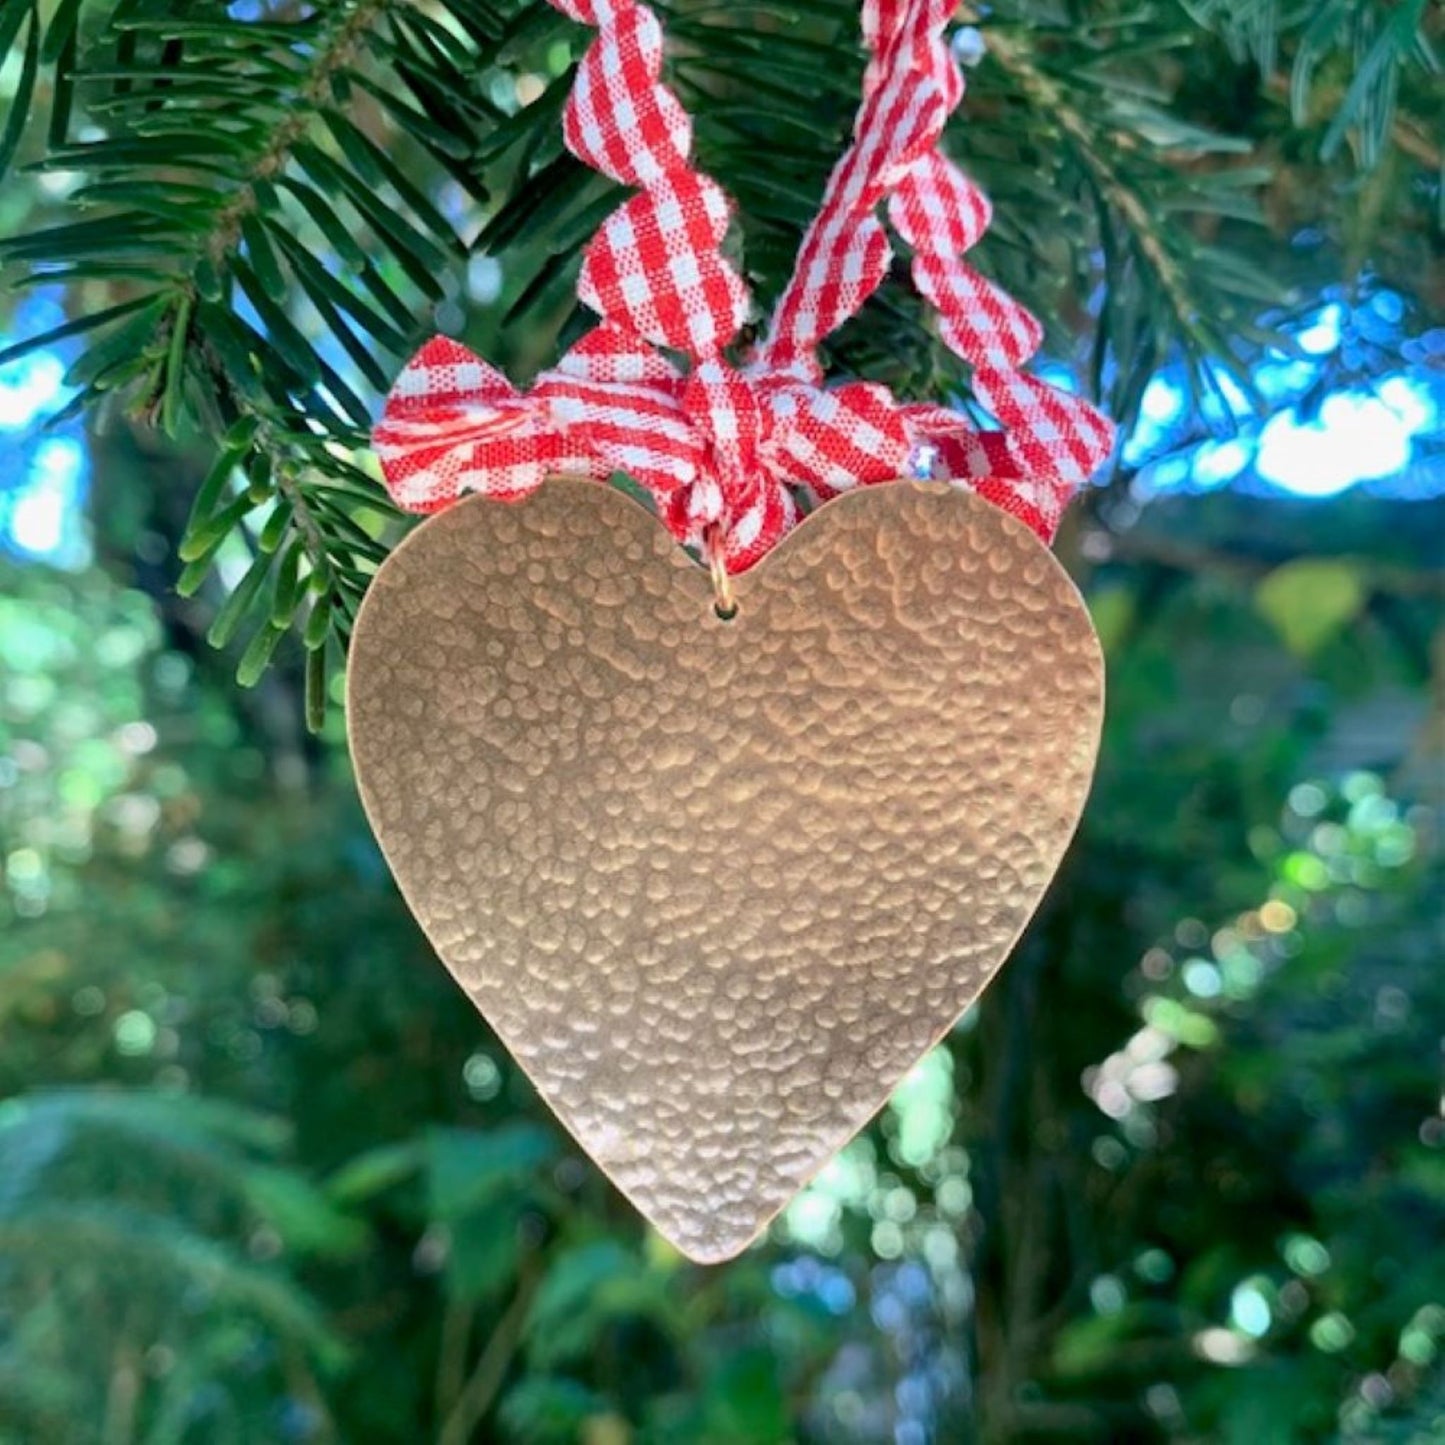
<point>718,884</point>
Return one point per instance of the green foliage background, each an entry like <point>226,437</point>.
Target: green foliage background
<point>1182,1177</point>
<point>264,1177</point>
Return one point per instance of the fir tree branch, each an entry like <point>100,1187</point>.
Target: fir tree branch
<point>1192,315</point>
<point>221,151</point>
<point>336,52</point>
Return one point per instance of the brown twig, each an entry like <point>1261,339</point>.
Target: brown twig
<point>486,1380</point>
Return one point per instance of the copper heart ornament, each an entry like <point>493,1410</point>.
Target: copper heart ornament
<point>718,885</point>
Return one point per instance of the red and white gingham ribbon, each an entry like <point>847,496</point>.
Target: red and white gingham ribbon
<point>724,448</point>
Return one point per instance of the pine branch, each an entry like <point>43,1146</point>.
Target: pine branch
<point>1165,292</point>
<point>1361,53</point>
<point>336,52</point>
<point>234,151</point>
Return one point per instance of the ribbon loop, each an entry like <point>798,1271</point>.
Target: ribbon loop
<point>655,267</point>
<point>722,450</point>
<point>632,132</point>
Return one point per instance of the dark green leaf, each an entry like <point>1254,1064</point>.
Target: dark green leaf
<point>233,611</point>
<point>277,526</point>
<point>208,494</point>
<point>136,339</point>
<point>75,327</point>
<point>376,1171</point>
<point>316,698</point>
<point>318,625</point>
<point>286,598</point>
<point>210,533</point>
<point>19,112</point>
<point>263,258</point>
<point>467,1169</point>
<point>175,375</point>
<point>257,656</point>
<point>281,331</point>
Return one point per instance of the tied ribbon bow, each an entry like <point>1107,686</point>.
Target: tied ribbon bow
<point>713,446</point>
<point>723,449</point>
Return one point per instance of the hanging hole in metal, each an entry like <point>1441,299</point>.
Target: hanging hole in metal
<point>725,602</point>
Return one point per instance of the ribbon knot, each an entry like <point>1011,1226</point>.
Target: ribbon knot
<point>724,409</point>
<point>715,447</point>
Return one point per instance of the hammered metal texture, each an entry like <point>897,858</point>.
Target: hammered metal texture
<point>718,885</point>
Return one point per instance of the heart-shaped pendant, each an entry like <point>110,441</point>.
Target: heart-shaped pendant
<point>718,884</point>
